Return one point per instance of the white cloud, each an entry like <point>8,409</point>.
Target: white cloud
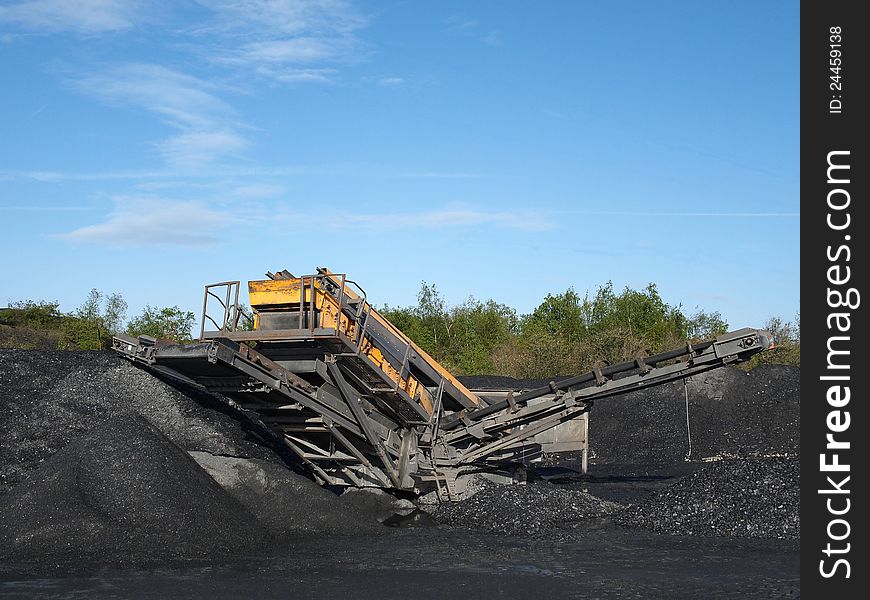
<point>285,17</point>
<point>154,221</point>
<point>180,99</point>
<point>437,219</point>
<point>220,171</point>
<point>686,214</point>
<point>189,104</point>
<point>37,208</point>
<point>390,81</point>
<point>78,16</point>
<point>198,148</point>
<point>459,24</point>
<point>293,75</point>
<point>296,50</point>
<point>285,40</point>
<point>258,190</point>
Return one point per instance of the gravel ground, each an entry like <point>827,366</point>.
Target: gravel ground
<point>732,498</point>
<point>533,510</point>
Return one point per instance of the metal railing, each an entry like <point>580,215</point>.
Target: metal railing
<point>220,307</point>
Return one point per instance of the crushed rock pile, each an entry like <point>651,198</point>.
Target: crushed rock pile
<point>532,510</point>
<point>49,398</point>
<point>732,498</point>
<point>731,413</point>
<point>59,408</point>
<point>125,493</point>
<point>285,503</point>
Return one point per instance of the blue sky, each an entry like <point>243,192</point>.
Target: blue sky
<point>503,150</point>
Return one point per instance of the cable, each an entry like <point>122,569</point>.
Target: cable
<point>688,426</point>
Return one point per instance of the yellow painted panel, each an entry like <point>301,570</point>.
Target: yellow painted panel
<point>269,292</point>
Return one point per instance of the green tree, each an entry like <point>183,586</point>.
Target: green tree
<point>29,324</point>
<point>96,320</point>
<point>567,315</point>
<point>787,340</point>
<point>462,337</point>
<point>36,314</point>
<point>245,320</point>
<point>163,323</point>
<point>476,330</point>
<point>427,323</point>
<point>703,325</point>
<point>642,313</point>
<point>784,332</point>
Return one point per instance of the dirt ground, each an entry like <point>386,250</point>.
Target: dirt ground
<point>610,562</point>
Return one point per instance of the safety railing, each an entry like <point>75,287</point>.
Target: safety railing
<point>220,308</point>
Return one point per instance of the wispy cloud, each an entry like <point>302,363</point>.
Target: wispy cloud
<point>285,40</point>
<point>256,172</point>
<point>181,99</point>
<point>35,113</point>
<point>391,81</point>
<point>459,24</point>
<point>243,41</point>
<point>196,148</point>
<point>154,221</point>
<point>32,208</point>
<point>438,219</point>
<point>258,190</point>
<point>79,16</point>
<point>207,128</point>
<point>688,214</point>
<point>142,221</point>
<point>287,17</point>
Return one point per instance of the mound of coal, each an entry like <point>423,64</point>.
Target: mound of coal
<point>288,505</point>
<point>120,494</point>
<point>51,401</point>
<point>731,413</point>
<point>732,498</point>
<point>532,510</point>
<point>49,398</point>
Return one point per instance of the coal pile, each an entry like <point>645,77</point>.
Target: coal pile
<point>731,413</point>
<point>533,510</point>
<point>97,463</point>
<point>49,398</point>
<point>732,498</point>
<point>121,494</point>
<point>289,506</point>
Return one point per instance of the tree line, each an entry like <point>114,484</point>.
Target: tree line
<point>566,333</point>
<point>41,324</point>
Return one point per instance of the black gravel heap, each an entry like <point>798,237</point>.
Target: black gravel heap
<point>731,413</point>
<point>533,510</point>
<point>732,498</point>
<point>123,494</point>
<point>96,463</point>
<point>49,398</point>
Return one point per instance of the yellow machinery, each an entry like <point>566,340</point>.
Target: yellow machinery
<point>361,405</point>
